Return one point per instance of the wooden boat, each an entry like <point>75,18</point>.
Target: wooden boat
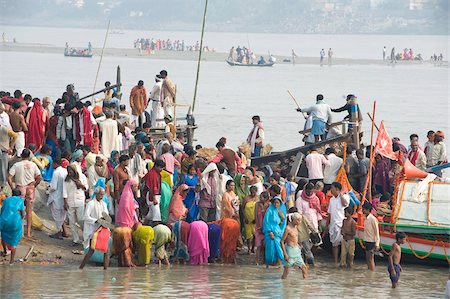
<point>291,161</point>
<point>78,53</point>
<point>235,63</point>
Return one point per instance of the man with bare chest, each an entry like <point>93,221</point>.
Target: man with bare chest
<point>291,250</point>
<point>395,256</point>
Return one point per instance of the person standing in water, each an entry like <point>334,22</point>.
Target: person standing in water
<point>291,250</point>
<point>395,256</point>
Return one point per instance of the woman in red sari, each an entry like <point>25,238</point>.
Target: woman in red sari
<point>36,121</point>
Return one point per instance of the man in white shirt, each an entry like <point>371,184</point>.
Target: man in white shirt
<point>439,151</point>
<point>4,117</point>
<point>315,163</point>
<point>338,203</point>
<point>416,156</point>
<point>56,198</point>
<point>321,114</point>
<point>330,171</point>
<point>26,176</point>
<point>74,187</point>
<point>256,137</point>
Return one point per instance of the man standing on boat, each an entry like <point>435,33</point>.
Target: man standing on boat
<point>439,155</point>
<point>321,113</point>
<point>354,113</point>
<point>168,93</point>
<point>157,114</point>
<point>256,137</point>
<point>416,156</point>
<point>138,102</point>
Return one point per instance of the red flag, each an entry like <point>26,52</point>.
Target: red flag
<point>383,145</point>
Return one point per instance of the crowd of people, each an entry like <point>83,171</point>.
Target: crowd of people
<point>407,54</point>
<point>152,45</point>
<point>100,169</point>
<point>246,56</point>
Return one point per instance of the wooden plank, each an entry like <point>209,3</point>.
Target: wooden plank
<point>296,165</point>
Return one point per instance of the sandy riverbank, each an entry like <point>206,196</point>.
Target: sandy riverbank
<point>191,56</point>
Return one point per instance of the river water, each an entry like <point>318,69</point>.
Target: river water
<point>216,281</point>
<point>410,98</point>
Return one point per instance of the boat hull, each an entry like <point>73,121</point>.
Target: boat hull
<point>233,63</point>
<point>415,249</point>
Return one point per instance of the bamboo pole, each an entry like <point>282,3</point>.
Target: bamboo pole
<point>175,110</point>
<point>296,103</point>
<point>368,184</point>
<point>101,56</point>
<point>199,57</point>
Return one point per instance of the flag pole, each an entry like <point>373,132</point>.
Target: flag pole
<point>368,184</point>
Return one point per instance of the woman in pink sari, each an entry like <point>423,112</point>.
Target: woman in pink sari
<point>308,204</point>
<point>198,243</point>
<point>126,212</point>
<point>177,210</point>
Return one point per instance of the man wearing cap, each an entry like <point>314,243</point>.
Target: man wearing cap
<point>321,114</point>
<point>138,102</point>
<point>157,104</point>
<point>352,107</point>
<point>439,151</point>
<point>168,93</point>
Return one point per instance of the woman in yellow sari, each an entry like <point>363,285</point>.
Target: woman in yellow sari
<point>143,237</point>
<point>249,218</point>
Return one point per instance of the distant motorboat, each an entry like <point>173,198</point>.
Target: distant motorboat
<point>116,32</point>
<point>235,63</point>
<point>73,52</point>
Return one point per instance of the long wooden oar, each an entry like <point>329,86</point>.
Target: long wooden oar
<point>296,103</point>
<point>371,118</point>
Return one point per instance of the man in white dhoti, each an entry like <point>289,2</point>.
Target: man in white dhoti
<point>93,212</point>
<point>168,94</point>
<point>110,135</point>
<point>56,199</point>
<point>157,114</point>
<point>338,203</point>
<point>256,137</point>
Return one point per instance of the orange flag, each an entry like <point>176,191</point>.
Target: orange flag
<point>383,145</point>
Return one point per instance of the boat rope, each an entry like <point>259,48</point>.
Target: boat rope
<point>423,256</point>
<point>445,252</point>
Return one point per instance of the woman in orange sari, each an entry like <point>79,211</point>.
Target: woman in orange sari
<point>230,234</point>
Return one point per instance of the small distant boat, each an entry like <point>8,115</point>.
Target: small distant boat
<point>116,32</point>
<point>235,63</point>
<point>72,52</point>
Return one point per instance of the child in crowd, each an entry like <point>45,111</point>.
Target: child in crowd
<point>290,186</point>
<point>348,244</point>
<point>291,249</point>
<point>395,256</point>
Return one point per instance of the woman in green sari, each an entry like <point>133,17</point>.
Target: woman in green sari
<point>242,190</point>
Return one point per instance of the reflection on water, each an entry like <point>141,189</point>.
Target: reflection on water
<point>217,281</point>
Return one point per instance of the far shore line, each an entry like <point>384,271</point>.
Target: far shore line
<point>206,56</point>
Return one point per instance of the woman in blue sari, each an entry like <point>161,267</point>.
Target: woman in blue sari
<point>11,216</point>
<point>274,224</point>
<point>214,234</point>
<point>190,179</point>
